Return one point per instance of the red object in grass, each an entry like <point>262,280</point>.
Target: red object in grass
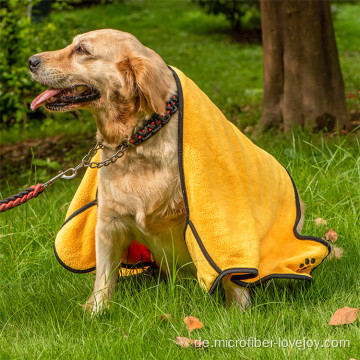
<point>136,253</point>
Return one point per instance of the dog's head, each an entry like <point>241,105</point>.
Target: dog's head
<point>105,71</point>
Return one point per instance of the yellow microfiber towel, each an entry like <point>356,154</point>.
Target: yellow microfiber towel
<point>242,205</point>
<point>74,245</point>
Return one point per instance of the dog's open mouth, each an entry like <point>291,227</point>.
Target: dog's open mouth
<point>60,99</point>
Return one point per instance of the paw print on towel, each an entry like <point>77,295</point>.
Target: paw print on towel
<point>306,264</point>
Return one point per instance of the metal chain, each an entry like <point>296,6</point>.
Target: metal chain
<point>33,191</point>
<point>86,162</point>
<point>119,154</point>
<point>151,126</point>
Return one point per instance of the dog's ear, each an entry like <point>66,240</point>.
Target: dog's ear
<point>143,79</point>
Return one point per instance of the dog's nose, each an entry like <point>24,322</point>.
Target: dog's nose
<point>34,62</point>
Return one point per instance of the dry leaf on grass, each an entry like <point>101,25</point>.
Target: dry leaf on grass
<point>344,316</point>
<point>320,222</point>
<point>192,323</point>
<point>331,235</point>
<point>336,252</point>
<point>165,317</point>
<point>186,342</point>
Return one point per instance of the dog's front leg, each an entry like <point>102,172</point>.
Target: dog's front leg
<point>112,239</point>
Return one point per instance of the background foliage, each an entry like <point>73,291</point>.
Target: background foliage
<point>240,13</point>
<point>245,14</point>
<point>197,35</point>
<point>21,38</point>
<point>23,33</point>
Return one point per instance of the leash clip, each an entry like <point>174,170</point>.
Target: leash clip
<point>62,175</point>
<point>69,177</point>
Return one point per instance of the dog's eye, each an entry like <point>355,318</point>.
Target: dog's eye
<point>81,50</point>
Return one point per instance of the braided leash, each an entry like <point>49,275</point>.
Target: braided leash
<point>22,197</point>
<point>149,128</point>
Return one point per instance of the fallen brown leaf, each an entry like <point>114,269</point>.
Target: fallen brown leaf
<point>165,317</point>
<point>320,222</point>
<point>331,235</point>
<point>336,253</point>
<point>192,323</point>
<point>344,316</point>
<point>186,342</point>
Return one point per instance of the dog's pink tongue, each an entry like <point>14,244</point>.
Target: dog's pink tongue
<point>46,95</point>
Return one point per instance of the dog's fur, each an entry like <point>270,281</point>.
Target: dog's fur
<point>140,195</point>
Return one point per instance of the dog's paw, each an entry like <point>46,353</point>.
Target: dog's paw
<point>89,304</point>
<point>100,307</point>
<point>96,305</point>
<point>238,297</point>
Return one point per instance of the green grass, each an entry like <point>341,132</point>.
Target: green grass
<point>40,316</point>
<point>347,26</point>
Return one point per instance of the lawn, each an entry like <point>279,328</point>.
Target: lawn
<point>40,312</point>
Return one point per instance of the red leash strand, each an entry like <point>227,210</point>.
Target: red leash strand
<point>22,197</point>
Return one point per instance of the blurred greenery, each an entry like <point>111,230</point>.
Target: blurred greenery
<point>22,35</point>
<point>201,45</point>
<point>245,14</point>
<point>241,14</point>
<point>20,38</point>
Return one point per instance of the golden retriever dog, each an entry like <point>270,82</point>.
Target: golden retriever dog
<point>122,83</point>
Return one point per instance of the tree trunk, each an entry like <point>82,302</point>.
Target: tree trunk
<point>303,85</point>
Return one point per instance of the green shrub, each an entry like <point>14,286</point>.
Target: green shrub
<point>246,13</point>
<point>20,38</point>
<point>16,34</point>
<point>240,13</point>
